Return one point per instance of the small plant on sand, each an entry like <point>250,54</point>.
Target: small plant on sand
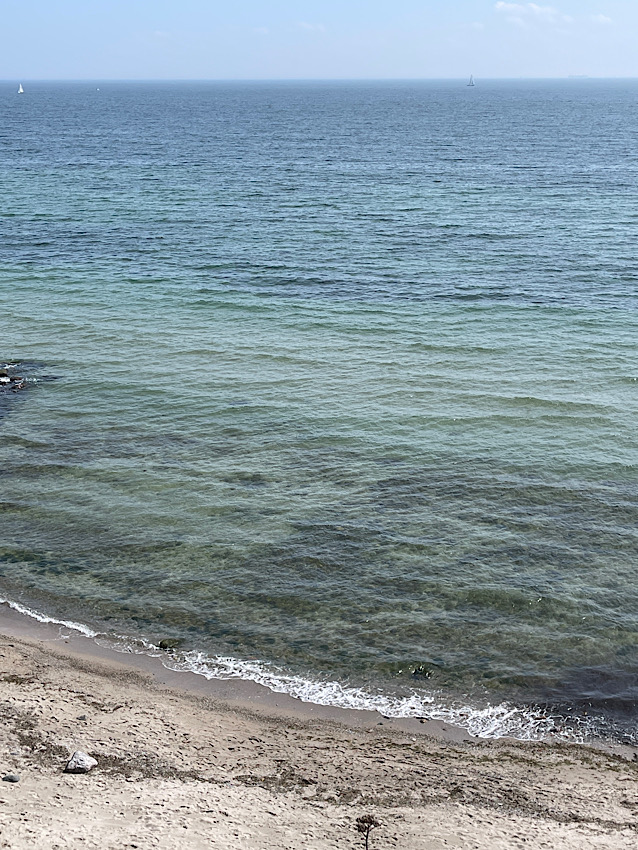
<point>365,825</point>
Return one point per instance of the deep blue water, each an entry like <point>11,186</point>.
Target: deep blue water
<point>337,382</point>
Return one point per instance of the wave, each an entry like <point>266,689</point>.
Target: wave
<point>503,720</point>
<point>44,618</point>
<point>490,721</point>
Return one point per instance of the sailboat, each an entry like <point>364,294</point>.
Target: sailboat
<point>20,89</point>
<point>471,82</point>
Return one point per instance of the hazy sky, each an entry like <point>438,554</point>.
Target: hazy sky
<point>217,39</point>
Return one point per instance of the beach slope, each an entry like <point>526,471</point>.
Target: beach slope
<point>181,770</point>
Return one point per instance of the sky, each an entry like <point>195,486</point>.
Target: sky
<point>308,39</point>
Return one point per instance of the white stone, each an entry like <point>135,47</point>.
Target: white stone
<point>80,763</point>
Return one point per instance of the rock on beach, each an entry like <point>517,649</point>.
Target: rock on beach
<point>80,763</point>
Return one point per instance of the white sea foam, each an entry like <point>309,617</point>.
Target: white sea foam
<point>489,721</point>
<point>43,618</point>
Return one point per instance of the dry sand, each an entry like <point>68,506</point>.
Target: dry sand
<point>177,769</point>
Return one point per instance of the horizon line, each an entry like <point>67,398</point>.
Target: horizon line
<point>300,79</point>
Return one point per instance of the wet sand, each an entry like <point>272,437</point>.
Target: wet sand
<point>186,763</point>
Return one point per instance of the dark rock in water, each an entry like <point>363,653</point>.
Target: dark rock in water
<point>169,643</point>
<point>80,763</point>
<point>11,777</point>
<point>11,382</point>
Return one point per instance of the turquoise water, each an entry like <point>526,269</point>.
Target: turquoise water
<point>334,383</point>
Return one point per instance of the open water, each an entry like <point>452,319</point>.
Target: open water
<point>335,383</point>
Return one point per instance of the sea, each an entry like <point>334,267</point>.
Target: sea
<point>332,386</point>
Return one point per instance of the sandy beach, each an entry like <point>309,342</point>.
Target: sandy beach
<point>212,765</point>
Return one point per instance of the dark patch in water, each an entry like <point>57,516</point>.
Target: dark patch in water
<point>597,690</point>
<point>601,701</point>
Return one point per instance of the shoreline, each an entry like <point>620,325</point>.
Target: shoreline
<point>205,764</point>
<point>167,669</point>
<point>241,693</point>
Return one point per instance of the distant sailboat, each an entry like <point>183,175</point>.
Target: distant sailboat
<point>20,89</point>
<point>471,82</point>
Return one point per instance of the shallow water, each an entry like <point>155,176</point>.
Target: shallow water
<point>345,383</point>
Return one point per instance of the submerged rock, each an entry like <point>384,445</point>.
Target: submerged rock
<point>80,763</point>
<point>169,643</point>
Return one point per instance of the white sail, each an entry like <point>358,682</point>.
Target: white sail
<point>20,89</point>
